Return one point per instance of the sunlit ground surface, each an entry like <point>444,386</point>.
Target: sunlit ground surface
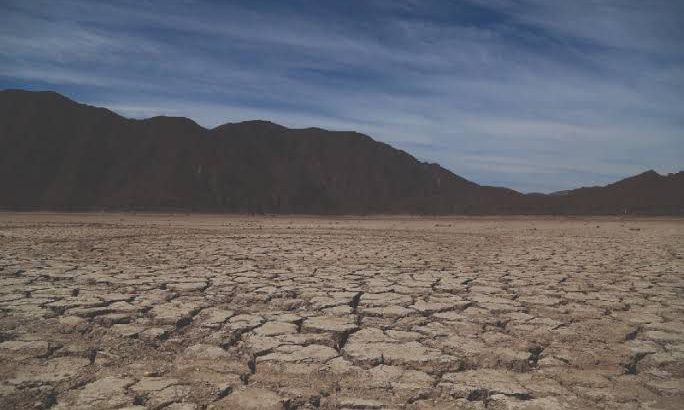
<point>183,312</point>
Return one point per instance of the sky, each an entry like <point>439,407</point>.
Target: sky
<point>535,95</point>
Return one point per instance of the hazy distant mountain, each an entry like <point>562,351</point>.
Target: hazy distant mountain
<point>58,154</point>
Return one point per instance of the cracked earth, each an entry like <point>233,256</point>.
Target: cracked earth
<point>225,312</point>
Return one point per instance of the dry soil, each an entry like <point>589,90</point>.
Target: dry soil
<point>227,312</point>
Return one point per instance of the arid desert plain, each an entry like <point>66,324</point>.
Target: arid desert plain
<point>101,311</point>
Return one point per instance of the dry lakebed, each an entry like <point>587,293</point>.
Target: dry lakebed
<point>109,311</point>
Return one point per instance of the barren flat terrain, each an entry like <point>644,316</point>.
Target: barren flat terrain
<point>103,311</point>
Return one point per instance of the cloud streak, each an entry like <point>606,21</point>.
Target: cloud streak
<point>521,94</point>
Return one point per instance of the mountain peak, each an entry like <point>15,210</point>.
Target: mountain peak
<point>172,121</point>
<point>252,124</point>
<point>648,174</point>
<point>42,95</point>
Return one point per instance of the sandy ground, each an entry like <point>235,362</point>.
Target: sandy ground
<point>225,312</point>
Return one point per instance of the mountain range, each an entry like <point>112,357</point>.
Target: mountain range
<point>57,154</point>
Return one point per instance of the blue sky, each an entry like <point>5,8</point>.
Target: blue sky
<point>536,95</point>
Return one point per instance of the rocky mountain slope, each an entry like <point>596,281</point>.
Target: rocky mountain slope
<point>61,155</point>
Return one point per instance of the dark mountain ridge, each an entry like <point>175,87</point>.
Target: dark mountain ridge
<point>57,154</point>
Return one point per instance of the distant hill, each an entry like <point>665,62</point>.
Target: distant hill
<point>646,193</point>
<point>56,154</point>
